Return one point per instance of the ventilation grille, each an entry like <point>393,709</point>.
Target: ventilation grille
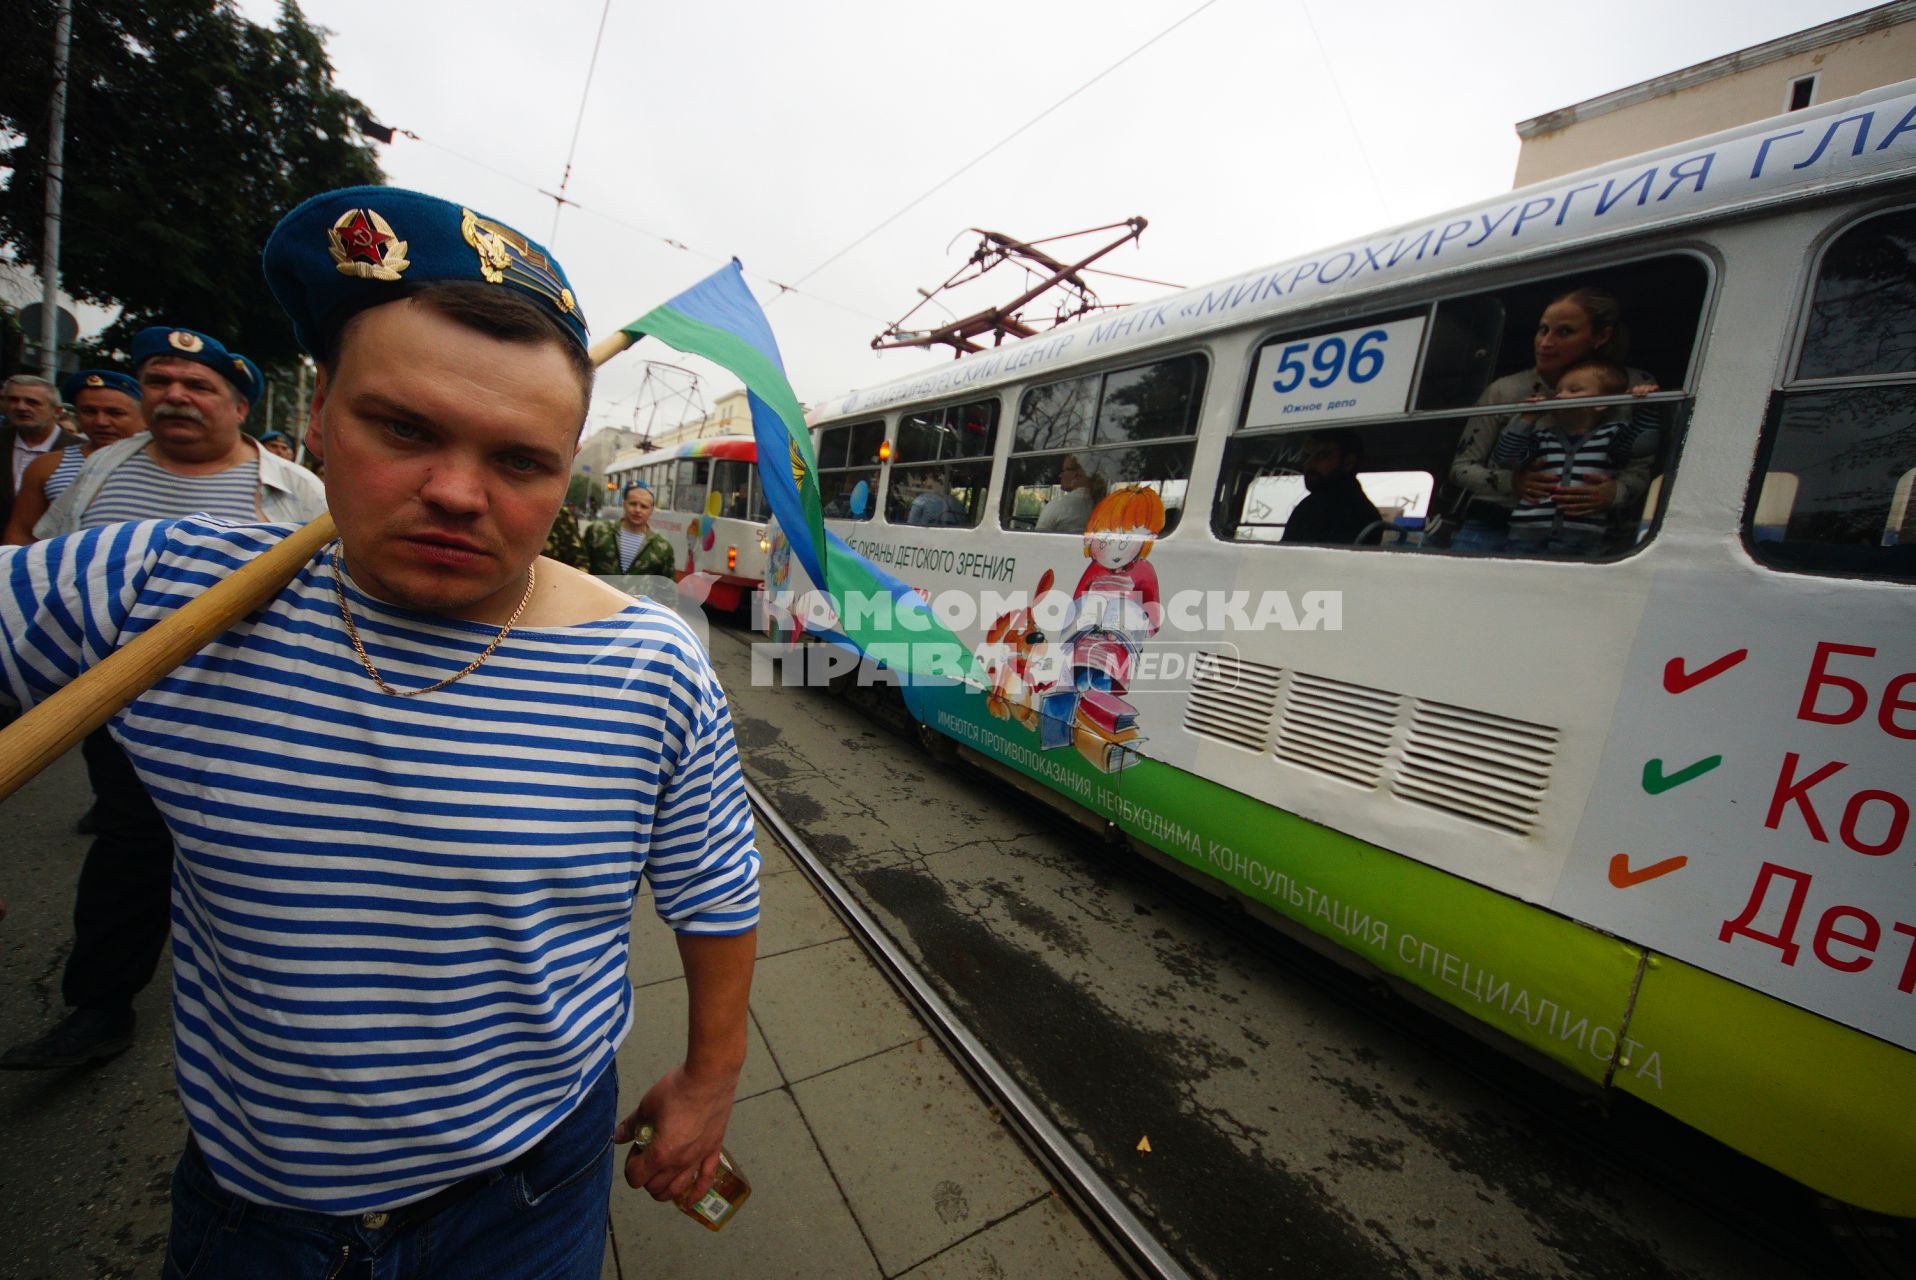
<point>1232,701</point>
<point>1476,765</point>
<point>1341,729</point>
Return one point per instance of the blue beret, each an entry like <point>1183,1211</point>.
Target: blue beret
<point>252,371</point>
<point>200,348</point>
<point>99,380</point>
<point>358,247</point>
<point>275,435</point>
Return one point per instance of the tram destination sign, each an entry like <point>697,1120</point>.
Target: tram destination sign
<point>1353,373</point>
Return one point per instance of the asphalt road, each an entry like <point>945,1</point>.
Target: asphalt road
<point>83,1187</point>
<point>1266,1114</point>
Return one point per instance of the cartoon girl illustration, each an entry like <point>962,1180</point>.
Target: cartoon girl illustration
<point>1116,604</point>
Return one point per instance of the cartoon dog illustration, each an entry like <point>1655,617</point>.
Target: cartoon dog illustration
<point>1020,661</point>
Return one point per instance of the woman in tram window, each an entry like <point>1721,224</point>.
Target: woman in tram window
<point>1583,324</point>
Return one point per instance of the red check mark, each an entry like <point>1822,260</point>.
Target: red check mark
<point>1623,876</point>
<point>1677,680</point>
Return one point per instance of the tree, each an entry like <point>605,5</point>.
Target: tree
<point>190,131</point>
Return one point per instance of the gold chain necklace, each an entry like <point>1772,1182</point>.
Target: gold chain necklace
<point>352,633</point>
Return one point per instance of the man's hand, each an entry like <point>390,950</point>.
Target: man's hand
<point>688,1117</point>
<point>689,1106</point>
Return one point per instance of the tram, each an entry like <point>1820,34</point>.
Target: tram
<point>708,502</point>
<point>1638,804</point>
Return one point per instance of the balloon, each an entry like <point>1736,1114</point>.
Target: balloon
<point>711,536</point>
<point>714,502</point>
<point>861,498</point>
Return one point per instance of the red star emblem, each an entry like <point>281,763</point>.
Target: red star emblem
<point>363,240</point>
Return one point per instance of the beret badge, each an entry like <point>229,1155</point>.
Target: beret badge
<point>95,380</point>
<point>505,257</point>
<point>180,340</point>
<point>364,245</point>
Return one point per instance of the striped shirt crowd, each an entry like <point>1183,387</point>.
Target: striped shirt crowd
<point>141,489</point>
<point>400,925</point>
<point>63,475</point>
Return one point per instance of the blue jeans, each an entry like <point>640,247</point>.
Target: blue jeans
<point>541,1216</point>
<point>1481,537</point>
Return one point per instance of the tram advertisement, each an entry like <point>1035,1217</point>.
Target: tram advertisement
<point>1751,813</point>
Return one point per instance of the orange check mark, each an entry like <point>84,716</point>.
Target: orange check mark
<point>1623,876</point>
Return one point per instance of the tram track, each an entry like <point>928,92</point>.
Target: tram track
<point>1124,1237</point>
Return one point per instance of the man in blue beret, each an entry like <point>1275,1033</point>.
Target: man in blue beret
<point>106,407</point>
<point>29,429</point>
<point>192,459</point>
<point>415,793</point>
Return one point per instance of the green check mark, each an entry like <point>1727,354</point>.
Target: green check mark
<point>1656,782</point>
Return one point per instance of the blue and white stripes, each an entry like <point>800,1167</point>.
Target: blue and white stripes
<point>400,924</point>
<point>63,474</point>
<point>141,489</point>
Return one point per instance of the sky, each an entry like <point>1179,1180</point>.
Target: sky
<point>1246,131</point>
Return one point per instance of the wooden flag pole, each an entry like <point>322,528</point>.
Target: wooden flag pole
<point>47,732</point>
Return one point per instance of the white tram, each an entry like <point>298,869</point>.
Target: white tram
<point>1642,805</point>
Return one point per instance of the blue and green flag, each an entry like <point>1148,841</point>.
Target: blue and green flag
<point>719,319</point>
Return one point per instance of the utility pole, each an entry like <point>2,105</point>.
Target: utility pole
<point>56,178</point>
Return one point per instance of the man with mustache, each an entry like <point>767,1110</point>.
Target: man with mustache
<point>192,459</point>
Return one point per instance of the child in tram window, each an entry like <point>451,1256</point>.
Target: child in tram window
<point>1564,463</point>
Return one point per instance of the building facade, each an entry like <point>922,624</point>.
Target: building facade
<point>1863,51</point>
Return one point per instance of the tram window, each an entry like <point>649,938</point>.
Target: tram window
<point>689,478</point>
<point>1460,358</point>
<point>1058,415</point>
<point>848,469</point>
<point>1039,487</point>
<point>1863,312</point>
<point>1149,403</point>
<point>932,483</point>
<point>760,510</point>
<point>731,477</point>
<point>1834,491</point>
<point>1074,443</point>
<point>1833,481</point>
<point>1476,361</point>
<point>1275,474</point>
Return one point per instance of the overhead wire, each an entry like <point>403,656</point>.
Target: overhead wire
<point>978,159</point>
<point>1350,121</point>
<point>559,201</point>
<point>647,232</point>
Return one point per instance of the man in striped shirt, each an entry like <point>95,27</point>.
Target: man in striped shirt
<point>106,404</point>
<point>192,459</point>
<point>415,793</point>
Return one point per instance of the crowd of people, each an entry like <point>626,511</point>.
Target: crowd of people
<point>397,874</point>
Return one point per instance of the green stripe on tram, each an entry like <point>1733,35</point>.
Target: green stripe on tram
<point>1821,1102</point>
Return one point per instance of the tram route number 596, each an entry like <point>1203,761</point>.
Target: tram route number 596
<point>1366,361</point>
<point>1355,373</point>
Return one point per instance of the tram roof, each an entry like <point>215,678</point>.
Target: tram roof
<point>738,448</point>
<point>1819,150</point>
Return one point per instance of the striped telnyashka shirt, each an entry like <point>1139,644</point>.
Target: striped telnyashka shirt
<point>399,924</point>
<point>141,489</point>
<point>56,484</point>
